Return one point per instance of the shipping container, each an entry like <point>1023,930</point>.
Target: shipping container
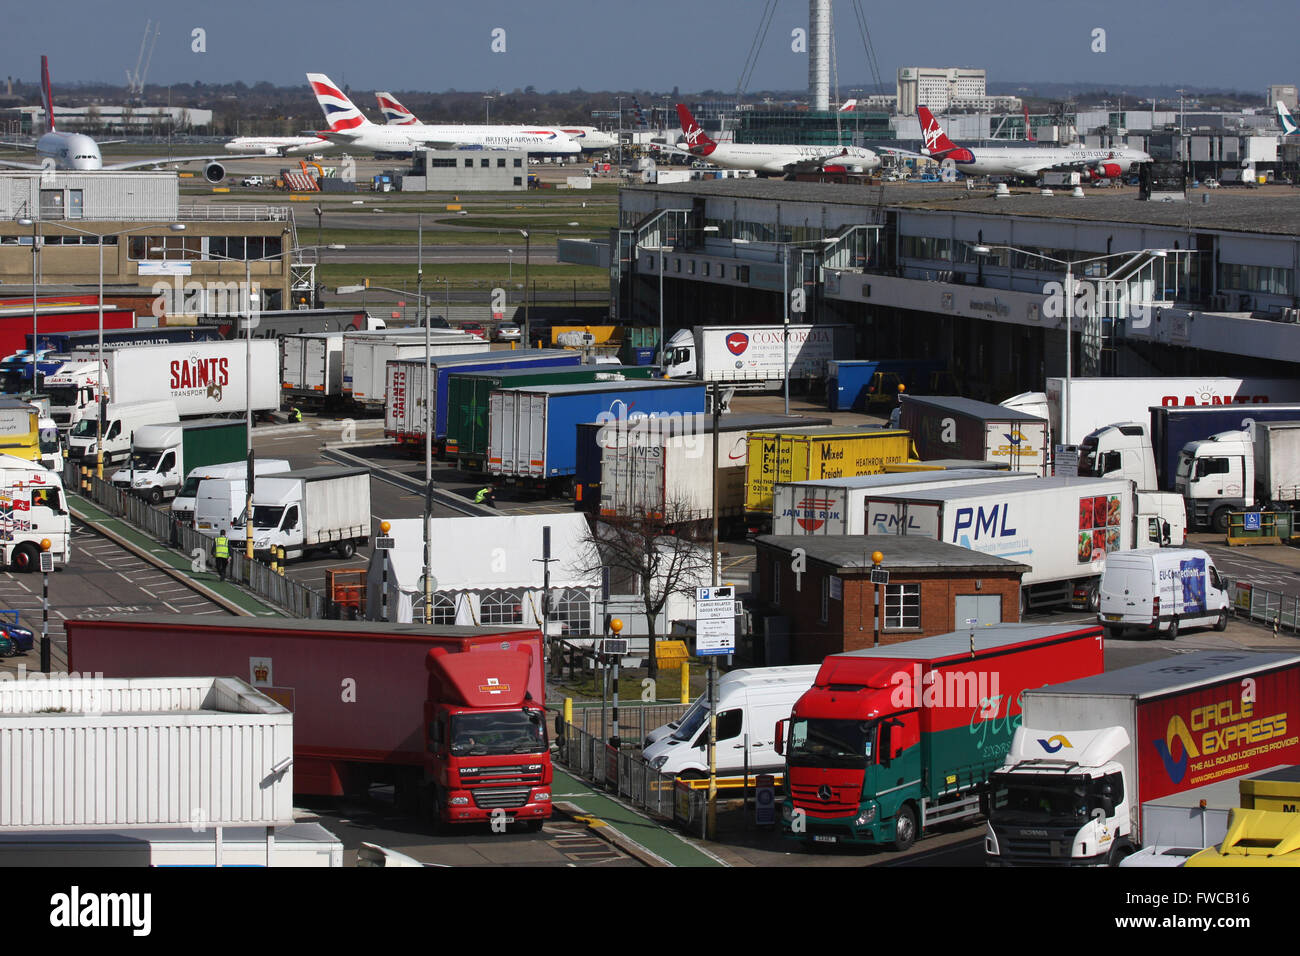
<point>948,427</point>
<point>533,432</point>
<point>467,401</point>
<point>663,468</point>
<point>366,355</point>
<point>1091,752</point>
<point>341,742</point>
<point>155,749</point>
<point>404,414</point>
<point>852,384</point>
<point>836,506</point>
<point>831,452</point>
<point>311,367</point>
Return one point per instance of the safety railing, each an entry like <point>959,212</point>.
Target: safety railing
<point>1262,606</point>
<point>295,598</point>
<point>622,773</point>
<point>635,719</point>
<point>233,212</point>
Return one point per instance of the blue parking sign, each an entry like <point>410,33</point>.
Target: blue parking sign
<point>1252,521</point>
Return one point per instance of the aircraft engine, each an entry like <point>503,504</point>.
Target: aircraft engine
<point>214,172</point>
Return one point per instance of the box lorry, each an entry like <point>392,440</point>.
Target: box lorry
<point>185,506</point>
<point>33,509</point>
<point>754,356</point>
<point>1090,753</point>
<point>814,454</point>
<point>468,393</point>
<point>1160,591</point>
<point>366,355</point>
<point>311,509</point>
<point>311,367</point>
<point>163,454</point>
<point>200,378</point>
<point>663,468</point>
<point>20,430</point>
<point>406,383</point>
<point>405,723</point>
<point>120,423</point>
<point>892,739</point>
<point>1062,527</point>
<point>750,703</point>
<point>1257,467</point>
<point>950,427</point>
<point>836,506</point>
<point>1147,451</point>
<point>1098,401</point>
<point>532,437</point>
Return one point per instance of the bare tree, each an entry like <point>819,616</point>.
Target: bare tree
<point>645,553</point>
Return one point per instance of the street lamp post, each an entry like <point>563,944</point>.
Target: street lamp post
<point>527,264</point>
<point>1069,264</point>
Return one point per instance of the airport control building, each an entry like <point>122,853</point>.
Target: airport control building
<point>1161,288</point>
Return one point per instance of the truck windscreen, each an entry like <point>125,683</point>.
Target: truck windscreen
<point>62,396</point>
<point>1088,458</point>
<point>839,743</point>
<point>85,428</point>
<point>1034,799</point>
<point>503,732</point>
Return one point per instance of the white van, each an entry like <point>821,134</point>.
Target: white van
<point>750,702</point>
<point>120,423</point>
<point>1160,591</point>
<point>220,502</point>
<point>184,505</point>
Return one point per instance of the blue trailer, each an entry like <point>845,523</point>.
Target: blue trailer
<point>1172,427</point>
<point>533,432</point>
<point>852,385</point>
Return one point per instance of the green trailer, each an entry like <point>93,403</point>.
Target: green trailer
<point>467,401</point>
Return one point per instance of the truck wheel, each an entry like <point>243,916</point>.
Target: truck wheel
<point>904,828</point>
<point>1173,630</point>
<point>1222,623</point>
<point>155,496</point>
<point>346,549</point>
<point>1219,520</point>
<point>26,557</point>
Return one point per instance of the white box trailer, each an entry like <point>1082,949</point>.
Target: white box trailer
<point>311,366</point>
<point>366,355</point>
<point>837,506</point>
<point>663,467</point>
<point>1277,461</point>
<point>200,378</point>
<point>159,751</point>
<point>754,356</point>
<point>308,510</point>
<point>300,844</point>
<point>1063,528</point>
<point>1095,402</point>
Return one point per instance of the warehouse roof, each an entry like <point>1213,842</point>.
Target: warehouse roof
<point>850,554</point>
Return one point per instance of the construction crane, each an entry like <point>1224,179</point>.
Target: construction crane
<point>135,81</point>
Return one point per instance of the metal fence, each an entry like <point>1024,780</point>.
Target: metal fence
<point>625,774</point>
<point>295,598</point>
<point>1262,606</point>
<point>635,719</point>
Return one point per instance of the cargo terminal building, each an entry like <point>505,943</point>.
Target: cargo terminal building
<point>936,271</point>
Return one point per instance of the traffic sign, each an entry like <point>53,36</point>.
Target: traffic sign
<point>715,621</point>
<point>879,576</point>
<point>385,544</point>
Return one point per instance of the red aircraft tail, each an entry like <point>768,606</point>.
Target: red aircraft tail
<point>47,97</point>
<point>1029,130</point>
<point>697,141</point>
<point>936,140</point>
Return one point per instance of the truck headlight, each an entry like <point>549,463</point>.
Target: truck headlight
<point>658,762</point>
<point>866,816</point>
<point>261,543</point>
<point>787,812</point>
<point>542,796</point>
<point>458,801</point>
<point>141,483</point>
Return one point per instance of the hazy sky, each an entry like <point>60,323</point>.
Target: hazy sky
<point>692,44</point>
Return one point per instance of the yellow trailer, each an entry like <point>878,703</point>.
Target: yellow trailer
<point>1254,838</point>
<point>600,334</point>
<point>814,453</point>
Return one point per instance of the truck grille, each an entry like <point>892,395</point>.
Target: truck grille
<point>506,798</point>
<point>842,799</point>
<point>518,774</point>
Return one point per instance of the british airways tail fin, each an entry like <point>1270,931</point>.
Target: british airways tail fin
<point>341,116</point>
<point>394,112</point>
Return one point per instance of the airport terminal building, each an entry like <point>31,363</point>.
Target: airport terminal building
<point>1160,288</point>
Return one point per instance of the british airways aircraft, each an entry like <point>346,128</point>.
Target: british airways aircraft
<point>588,138</point>
<point>348,126</point>
<point>58,150</point>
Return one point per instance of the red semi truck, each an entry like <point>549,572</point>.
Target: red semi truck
<point>454,714</point>
<point>891,739</point>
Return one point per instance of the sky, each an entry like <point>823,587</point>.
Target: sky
<point>690,44</point>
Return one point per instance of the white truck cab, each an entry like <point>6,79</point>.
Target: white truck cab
<point>74,392</point>
<point>32,509</point>
<point>118,429</point>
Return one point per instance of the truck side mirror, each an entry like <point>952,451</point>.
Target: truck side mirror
<point>779,743</point>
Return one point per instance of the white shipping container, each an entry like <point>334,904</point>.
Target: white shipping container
<point>1061,527</point>
<point>86,753</point>
<point>201,378</point>
<point>311,364</point>
<point>365,355</point>
<point>838,505</point>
